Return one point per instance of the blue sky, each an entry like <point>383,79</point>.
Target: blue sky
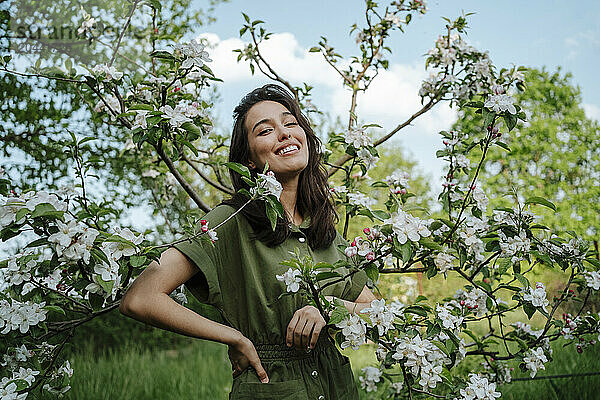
<point>534,34</point>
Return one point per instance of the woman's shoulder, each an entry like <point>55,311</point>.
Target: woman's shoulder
<point>219,214</point>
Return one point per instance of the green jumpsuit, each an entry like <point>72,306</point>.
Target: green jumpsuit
<point>239,279</point>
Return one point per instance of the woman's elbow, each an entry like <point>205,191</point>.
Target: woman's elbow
<point>130,305</point>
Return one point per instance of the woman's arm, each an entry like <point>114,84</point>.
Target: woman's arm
<point>363,300</point>
<point>148,300</point>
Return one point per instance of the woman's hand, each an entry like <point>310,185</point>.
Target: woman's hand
<point>242,354</point>
<point>304,328</point>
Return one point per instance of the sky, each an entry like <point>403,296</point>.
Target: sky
<point>538,34</point>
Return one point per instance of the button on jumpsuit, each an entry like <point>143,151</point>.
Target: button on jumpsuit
<point>238,277</point>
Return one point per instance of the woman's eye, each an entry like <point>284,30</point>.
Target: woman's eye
<point>264,132</point>
<point>291,124</point>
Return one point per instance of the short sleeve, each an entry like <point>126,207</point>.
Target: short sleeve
<point>358,280</point>
<point>355,287</point>
<point>205,255</point>
<point>205,284</point>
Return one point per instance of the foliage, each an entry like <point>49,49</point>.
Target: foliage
<point>555,155</point>
<point>78,261</point>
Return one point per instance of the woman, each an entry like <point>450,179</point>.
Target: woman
<point>276,345</point>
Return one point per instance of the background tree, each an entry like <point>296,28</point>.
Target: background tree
<point>554,155</point>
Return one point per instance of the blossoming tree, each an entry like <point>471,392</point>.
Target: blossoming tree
<point>77,261</point>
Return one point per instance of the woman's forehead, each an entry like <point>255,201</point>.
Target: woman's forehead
<point>266,109</point>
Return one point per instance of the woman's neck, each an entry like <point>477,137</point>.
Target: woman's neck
<point>288,201</point>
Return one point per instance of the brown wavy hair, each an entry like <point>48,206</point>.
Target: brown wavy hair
<point>313,196</point>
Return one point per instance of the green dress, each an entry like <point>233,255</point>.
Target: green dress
<point>238,278</point>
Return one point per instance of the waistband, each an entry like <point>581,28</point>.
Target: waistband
<point>274,352</point>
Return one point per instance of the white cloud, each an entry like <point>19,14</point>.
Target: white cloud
<point>592,111</point>
<point>391,99</point>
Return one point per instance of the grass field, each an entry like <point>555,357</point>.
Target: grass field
<point>200,370</point>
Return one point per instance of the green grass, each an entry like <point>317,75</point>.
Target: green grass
<point>197,371</point>
<point>566,361</point>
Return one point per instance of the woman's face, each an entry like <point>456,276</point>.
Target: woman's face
<point>274,136</point>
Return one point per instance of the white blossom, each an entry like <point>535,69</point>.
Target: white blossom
<point>110,72</point>
<point>449,320</point>
<point>86,25</point>
<point>443,261</point>
<point>371,376</point>
<point>534,360</point>
<point>358,138</point>
<point>592,279</point>
<point>150,173</point>
<point>369,159</point>
<point>20,316</point>
<point>359,199</point>
<point>269,183</point>
<point>537,296</point>
<point>140,119</point>
<point>354,331</point>
<point>478,388</point>
<point>398,178</point>
<point>501,103</point>
<point>292,279</point>
<point>175,115</point>
<point>380,315</point>
<point>194,54</point>
<point>407,227</point>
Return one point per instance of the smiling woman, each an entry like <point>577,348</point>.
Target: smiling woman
<point>278,347</point>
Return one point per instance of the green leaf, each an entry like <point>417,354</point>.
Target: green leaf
<point>272,215</point>
<point>510,120</point>
<point>192,128</point>
<point>406,251</point>
<point>21,213</point>
<point>137,261</point>
<point>46,210</point>
<point>488,117</point>
<point>314,49</point>
<point>380,214</point>
<point>418,310</point>
<point>154,4</point>
<point>327,275</point>
<point>521,278</point>
<point>503,145</point>
<point>430,244</point>
<point>239,168</point>
<point>55,309</point>
<point>38,242</point>
<point>541,201</point>
<point>529,310</point>
<point>165,55</point>
<point>337,315</point>
<point>372,272</point>
<point>146,107</point>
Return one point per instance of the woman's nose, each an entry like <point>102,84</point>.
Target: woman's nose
<point>283,134</point>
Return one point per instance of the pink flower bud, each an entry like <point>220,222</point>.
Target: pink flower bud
<point>353,244</point>
<point>270,173</point>
<point>370,256</point>
<point>366,231</point>
<point>176,89</point>
<point>462,302</point>
<point>579,349</point>
<point>204,228</point>
<point>403,191</point>
<point>446,142</point>
<point>351,251</point>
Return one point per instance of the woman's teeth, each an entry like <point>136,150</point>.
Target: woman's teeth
<point>287,150</point>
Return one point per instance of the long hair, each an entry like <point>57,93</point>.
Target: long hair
<point>313,196</point>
